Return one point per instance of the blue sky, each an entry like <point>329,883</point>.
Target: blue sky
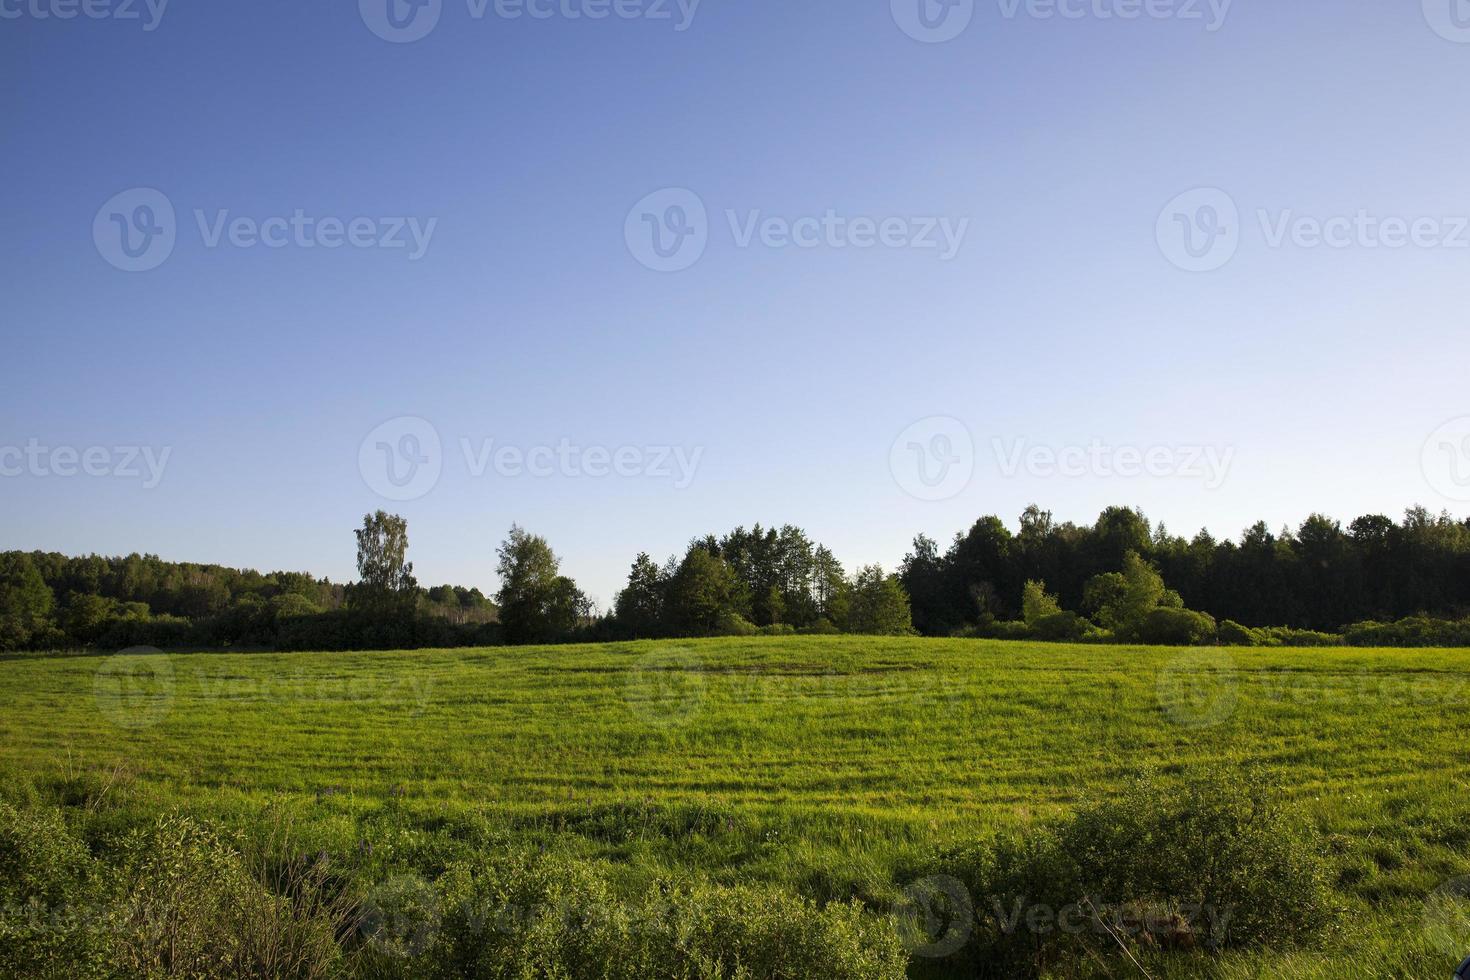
<point>1062,323</point>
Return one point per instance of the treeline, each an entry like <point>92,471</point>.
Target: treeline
<point>1120,579</point>
<point>50,601</point>
<point>1320,576</point>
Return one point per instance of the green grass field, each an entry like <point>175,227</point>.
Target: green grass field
<point>829,766</point>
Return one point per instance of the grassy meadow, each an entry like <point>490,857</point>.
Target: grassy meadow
<point>832,768</point>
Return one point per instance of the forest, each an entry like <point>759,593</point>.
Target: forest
<point>1375,581</point>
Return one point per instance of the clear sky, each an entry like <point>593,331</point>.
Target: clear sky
<point>1059,316</point>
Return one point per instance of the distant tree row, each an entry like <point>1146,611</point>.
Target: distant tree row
<point>771,580</point>
<point>51,601</point>
<point>1120,578</point>
<point>1321,576</point>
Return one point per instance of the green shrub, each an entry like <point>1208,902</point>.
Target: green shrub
<point>1062,627</point>
<point>1232,634</point>
<point>1211,861</point>
<point>1285,636</point>
<point>731,623</point>
<point>52,911</point>
<point>1176,627</point>
<point>1413,631</point>
<point>520,917</point>
<point>188,905</point>
<point>822,627</point>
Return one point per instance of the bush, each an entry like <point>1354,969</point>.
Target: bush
<point>186,905</point>
<point>1232,634</point>
<point>1211,861</point>
<point>731,623</point>
<point>1285,636</point>
<point>520,917</point>
<point>1413,631</point>
<point>1063,627</point>
<point>50,902</point>
<point>1176,627</point>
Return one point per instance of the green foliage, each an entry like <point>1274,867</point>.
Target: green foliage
<point>878,605</point>
<point>537,603</point>
<point>25,602</point>
<point>1232,634</point>
<point>702,596</point>
<point>1209,861</point>
<point>518,917</point>
<point>386,585</point>
<point>1412,631</point>
<point>1061,627</point>
<point>52,918</point>
<point>1037,604</point>
<point>639,608</point>
<point>1167,626</point>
